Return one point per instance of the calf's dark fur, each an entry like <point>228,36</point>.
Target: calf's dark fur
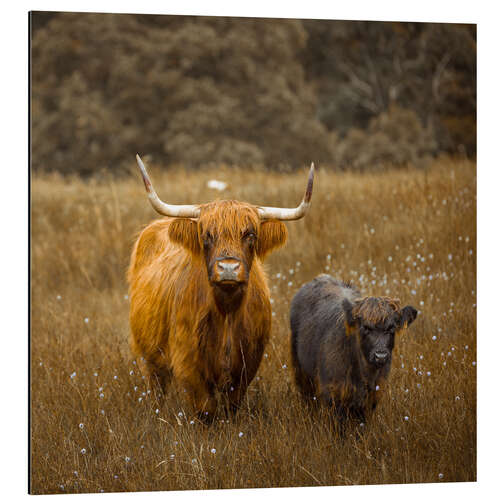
<point>342,344</point>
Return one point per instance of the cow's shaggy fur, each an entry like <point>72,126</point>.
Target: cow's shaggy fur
<point>207,338</point>
<point>342,344</point>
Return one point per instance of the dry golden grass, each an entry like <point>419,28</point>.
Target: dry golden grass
<point>94,427</point>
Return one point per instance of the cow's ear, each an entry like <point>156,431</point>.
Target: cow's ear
<point>185,232</point>
<point>407,317</point>
<point>272,234</point>
<point>349,321</point>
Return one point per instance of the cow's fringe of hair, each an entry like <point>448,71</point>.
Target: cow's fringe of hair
<point>235,217</point>
<point>375,309</point>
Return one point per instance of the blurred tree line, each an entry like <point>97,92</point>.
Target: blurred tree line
<point>273,92</point>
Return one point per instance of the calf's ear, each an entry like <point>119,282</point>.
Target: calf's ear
<point>185,232</point>
<point>272,234</point>
<point>408,315</point>
<point>349,321</point>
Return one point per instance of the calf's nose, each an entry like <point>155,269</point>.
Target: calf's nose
<point>381,356</point>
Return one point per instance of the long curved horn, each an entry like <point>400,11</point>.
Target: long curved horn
<point>191,211</point>
<point>291,213</point>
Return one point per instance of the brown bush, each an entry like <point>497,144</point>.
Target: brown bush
<point>360,69</point>
<point>200,90</point>
<point>195,90</point>
<point>396,137</point>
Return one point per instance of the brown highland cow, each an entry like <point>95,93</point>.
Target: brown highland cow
<point>200,307</point>
<point>342,344</point>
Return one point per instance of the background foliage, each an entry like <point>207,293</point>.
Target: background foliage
<point>273,92</point>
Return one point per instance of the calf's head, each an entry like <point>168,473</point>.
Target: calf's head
<point>376,321</point>
<point>229,235</point>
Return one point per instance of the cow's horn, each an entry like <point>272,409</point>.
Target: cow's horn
<point>162,208</point>
<point>291,213</point>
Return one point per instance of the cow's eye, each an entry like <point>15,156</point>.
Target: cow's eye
<point>250,237</point>
<point>208,240</point>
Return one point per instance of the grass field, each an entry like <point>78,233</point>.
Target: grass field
<point>94,427</point>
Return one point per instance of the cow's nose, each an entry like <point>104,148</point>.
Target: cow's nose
<point>228,266</point>
<point>381,356</point>
<point>228,270</point>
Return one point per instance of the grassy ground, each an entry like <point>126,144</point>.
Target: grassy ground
<point>94,427</point>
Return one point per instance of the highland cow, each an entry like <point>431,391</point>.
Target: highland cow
<point>342,344</point>
<point>200,309</point>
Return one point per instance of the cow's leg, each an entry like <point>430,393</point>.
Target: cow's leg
<point>201,396</point>
<point>328,396</point>
<point>159,378</point>
<point>248,364</point>
<point>304,383</point>
<point>204,403</point>
<point>237,389</point>
<point>235,396</point>
<point>154,364</point>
